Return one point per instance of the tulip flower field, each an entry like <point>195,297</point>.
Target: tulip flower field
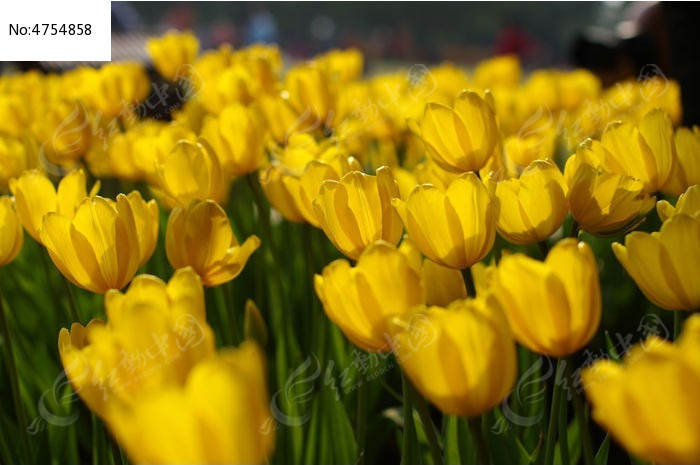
<point>237,259</point>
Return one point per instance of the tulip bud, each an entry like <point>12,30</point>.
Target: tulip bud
<point>190,172</point>
<point>461,358</point>
<point>665,264</point>
<point>360,299</point>
<point>11,235</point>
<point>200,236</point>
<point>356,211</point>
<point>565,293</point>
<point>461,138</point>
<point>532,207</point>
<point>454,228</point>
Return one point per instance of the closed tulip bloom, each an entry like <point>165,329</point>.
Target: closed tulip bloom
<point>63,131</point>
<point>108,88</point>
<point>15,158</point>
<point>604,204</point>
<point>100,247</point>
<point>686,169</point>
<point>146,219</point>
<point>356,211</point>
<point>35,196</point>
<point>360,299</point>
<point>501,70</point>
<point>649,402</point>
<point>461,358</point>
<point>532,207</point>
<point>309,93</point>
<point>454,228</point>
<point>117,362</point>
<point>190,172</point>
<point>534,145</point>
<point>11,235</point>
<point>665,264</point>
<point>171,51</point>
<point>218,415</point>
<point>200,236</point>
<point>461,138</point>
<point>643,151</point>
<point>237,136</point>
<point>152,144</point>
<point>688,203</point>
<point>554,307</point>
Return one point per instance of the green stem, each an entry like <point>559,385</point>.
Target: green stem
<point>544,248</point>
<point>580,411</point>
<point>482,454</point>
<point>14,381</point>
<point>469,282</point>
<point>554,414</point>
<point>429,427</point>
<point>226,315</point>
<point>361,417</point>
<point>574,229</point>
<point>563,432</point>
<point>410,441</point>
<point>72,304</point>
<point>677,323</point>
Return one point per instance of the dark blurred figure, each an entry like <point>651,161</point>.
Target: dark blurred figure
<point>651,33</point>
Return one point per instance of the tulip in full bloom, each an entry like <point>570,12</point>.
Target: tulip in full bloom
<point>103,245</point>
<point>461,138</point>
<point>604,204</point>
<point>461,358</point>
<point>688,203</point>
<point>200,236</point>
<point>554,307</point>
<point>454,228</point>
<point>171,51</point>
<point>356,211</point>
<point>665,264</point>
<point>35,196</point>
<point>190,172</point>
<point>649,402</point>
<point>686,169</point>
<point>532,207</point>
<point>237,137</point>
<point>108,363</point>
<point>360,299</point>
<point>11,235</point>
<point>643,151</point>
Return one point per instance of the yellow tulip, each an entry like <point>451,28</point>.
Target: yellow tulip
<point>454,228</point>
<point>309,93</point>
<point>190,172</point>
<point>536,145</point>
<point>153,142</point>
<point>688,203</point>
<point>282,119</point>
<point>360,299</point>
<point>35,196</point>
<point>171,51</point>
<point>356,211</point>
<point>686,169</point>
<point>341,66</point>
<point>461,138</point>
<point>461,358</point>
<point>102,246</point>
<point>114,87</point>
<point>237,137</point>
<point>219,414</point>
<point>643,151</point>
<point>604,204</point>
<point>532,207</point>
<point>154,336</point>
<point>293,194</point>
<point>11,235</point>
<point>649,402</point>
<point>428,172</point>
<point>665,264</point>
<point>565,291</point>
<point>15,158</point>
<point>63,131</point>
<point>200,236</point>
<point>502,70</point>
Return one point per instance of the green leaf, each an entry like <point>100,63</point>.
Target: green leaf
<point>344,447</point>
<point>601,457</point>
<point>611,347</point>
